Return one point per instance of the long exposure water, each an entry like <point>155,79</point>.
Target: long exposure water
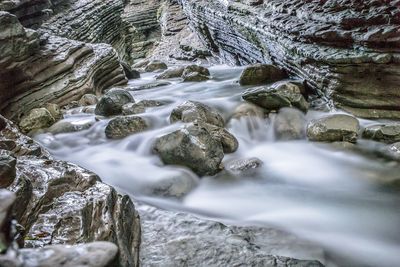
<point>326,194</point>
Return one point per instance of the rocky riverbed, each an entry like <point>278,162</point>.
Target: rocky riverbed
<point>125,139</point>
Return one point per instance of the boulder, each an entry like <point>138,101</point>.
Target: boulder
<point>171,73</point>
<point>193,147</point>
<point>154,66</point>
<point>112,102</point>
<point>88,100</point>
<point>195,77</point>
<point>7,168</point>
<point>277,96</point>
<point>54,110</point>
<point>334,128</point>
<point>261,74</point>
<point>191,111</point>
<point>247,109</point>
<point>36,119</point>
<point>69,127</point>
<point>387,133</point>
<point>290,124</point>
<point>229,142</point>
<point>124,126</point>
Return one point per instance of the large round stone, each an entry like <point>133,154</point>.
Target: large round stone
<point>334,128</point>
<point>191,111</point>
<point>193,147</point>
<point>124,126</point>
<point>111,103</point>
<point>155,66</point>
<point>38,118</point>
<point>171,73</point>
<point>69,127</point>
<point>261,74</point>
<point>248,110</point>
<point>387,133</point>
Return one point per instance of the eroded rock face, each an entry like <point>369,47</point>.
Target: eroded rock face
<point>313,40</point>
<point>333,128</point>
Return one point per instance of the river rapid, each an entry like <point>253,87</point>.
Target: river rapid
<point>320,192</point>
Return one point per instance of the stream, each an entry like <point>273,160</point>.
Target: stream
<point>322,193</point>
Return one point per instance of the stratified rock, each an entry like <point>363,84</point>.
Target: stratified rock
<point>155,66</point>
<point>229,142</point>
<point>277,96</point>
<point>88,100</point>
<point>334,128</point>
<point>112,102</point>
<point>193,147</point>
<point>313,40</point>
<point>246,166</point>
<point>171,73</point>
<point>290,124</point>
<point>96,254</point>
<point>54,110</point>
<point>7,200</point>
<point>191,111</point>
<point>69,127</point>
<point>261,74</point>
<point>248,110</point>
<point>124,126</point>
<point>7,168</point>
<point>387,133</point>
<point>140,107</point>
<point>36,119</point>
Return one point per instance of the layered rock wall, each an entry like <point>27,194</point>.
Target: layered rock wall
<point>347,50</point>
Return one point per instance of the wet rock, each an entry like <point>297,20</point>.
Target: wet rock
<point>140,107</point>
<point>193,147</point>
<point>191,111</point>
<point>54,110</point>
<point>88,100</point>
<point>96,254</point>
<point>261,74</point>
<point>290,124</point>
<point>3,123</point>
<point>229,142</point>
<point>7,199</point>
<point>124,126</point>
<point>277,96</point>
<point>387,133</point>
<point>248,110</point>
<point>195,77</point>
<point>338,127</point>
<point>69,127</point>
<point>154,66</point>
<point>72,105</point>
<point>7,168</point>
<point>141,64</point>
<point>36,119</point>
<point>246,166</point>
<point>130,73</point>
<point>149,86</point>
<point>112,102</point>
<point>171,73</point>
<point>392,151</point>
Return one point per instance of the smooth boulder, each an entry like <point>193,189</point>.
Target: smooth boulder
<point>112,102</point>
<point>36,119</point>
<point>191,111</point>
<point>124,126</point>
<point>193,147</point>
<point>69,127</point>
<point>195,73</point>
<point>334,128</point>
<point>171,73</point>
<point>247,109</point>
<point>229,142</point>
<point>289,124</point>
<point>261,74</point>
<point>154,66</point>
<point>387,133</point>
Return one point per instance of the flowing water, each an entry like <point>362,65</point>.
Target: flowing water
<point>322,193</point>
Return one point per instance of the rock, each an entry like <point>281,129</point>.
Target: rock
<point>387,133</point>
<point>124,126</point>
<point>141,64</point>
<point>248,110</point>
<point>195,68</point>
<point>392,151</point>
<point>261,74</point>
<point>88,100</point>
<point>149,86</point>
<point>36,119</point>
<point>72,105</point>
<point>246,166</point>
<point>191,111</point>
<point>7,168</point>
<point>96,254</point>
<point>130,73</point>
<point>277,96</point>
<point>7,199</point>
<point>290,124</point>
<point>229,142</point>
<point>193,147</point>
<point>154,66</point>
<point>171,73</point>
<point>140,107</point>
<point>69,127</point>
<point>195,77</point>
<point>3,123</point>
<point>334,128</point>
<point>112,102</point>
<point>54,110</point>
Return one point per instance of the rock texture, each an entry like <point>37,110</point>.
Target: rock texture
<point>61,203</point>
<point>346,50</point>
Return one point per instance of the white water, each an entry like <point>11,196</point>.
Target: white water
<point>319,193</point>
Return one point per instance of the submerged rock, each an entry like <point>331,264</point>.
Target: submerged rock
<point>124,126</point>
<point>7,168</point>
<point>246,166</point>
<point>387,133</point>
<point>155,66</point>
<point>229,142</point>
<point>277,96</point>
<point>392,151</point>
<point>36,119</point>
<point>193,147</point>
<point>140,107</point>
<point>261,74</point>
<point>111,103</point>
<point>88,100</point>
<point>171,73</point>
<point>338,127</point>
<point>248,110</point>
<point>290,124</point>
<point>195,77</point>
<point>191,111</point>
<point>69,127</point>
